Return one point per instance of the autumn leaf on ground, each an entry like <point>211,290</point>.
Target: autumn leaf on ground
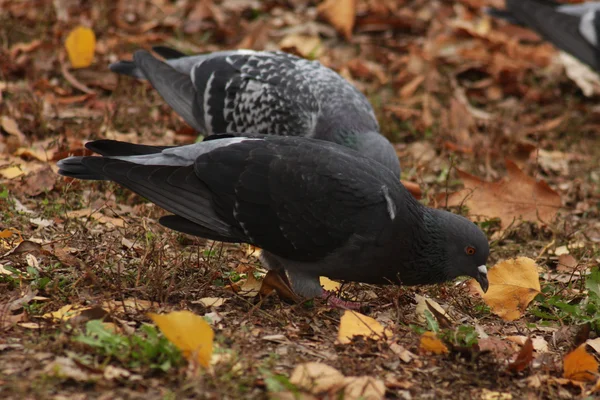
<point>353,324</point>
<point>524,357</point>
<point>189,332</point>
<point>318,378</point>
<point>65,312</point>
<point>329,285</point>
<point>339,13</point>
<point>80,45</point>
<point>513,284</point>
<point>431,344</point>
<point>579,365</point>
<point>517,197</point>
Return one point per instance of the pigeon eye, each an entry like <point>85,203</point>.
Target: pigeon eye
<point>470,250</point>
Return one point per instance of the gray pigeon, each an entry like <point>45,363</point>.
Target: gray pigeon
<point>315,208</point>
<point>271,93</point>
<point>573,28</point>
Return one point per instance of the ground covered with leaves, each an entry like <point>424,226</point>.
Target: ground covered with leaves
<point>485,122</point>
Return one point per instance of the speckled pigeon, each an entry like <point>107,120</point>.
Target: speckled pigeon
<point>315,208</point>
<point>265,92</point>
<point>573,28</point>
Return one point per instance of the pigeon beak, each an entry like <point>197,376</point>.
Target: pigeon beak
<point>482,278</point>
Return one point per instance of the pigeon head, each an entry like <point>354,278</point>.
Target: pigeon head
<point>466,248</point>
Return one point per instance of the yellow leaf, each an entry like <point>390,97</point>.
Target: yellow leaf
<point>353,324</point>
<point>513,284</point>
<point>340,14</point>
<point>579,365</point>
<point>11,172</point>
<point>65,312</point>
<point>431,344</point>
<point>80,45</point>
<point>329,285</point>
<point>189,332</point>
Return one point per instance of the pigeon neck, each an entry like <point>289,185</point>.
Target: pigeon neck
<point>375,146</point>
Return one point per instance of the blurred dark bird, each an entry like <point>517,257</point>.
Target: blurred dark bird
<point>315,208</point>
<point>266,92</point>
<point>573,28</point>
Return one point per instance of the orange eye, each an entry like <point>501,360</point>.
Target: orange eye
<point>470,250</point>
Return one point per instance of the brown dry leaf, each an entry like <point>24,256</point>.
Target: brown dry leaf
<point>501,349</point>
<point>317,377</point>
<point>189,332</point>
<point>210,301</point>
<point>539,343</point>
<point>89,213</point>
<point>427,304</point>
<point>305,46</point>
<point>524,357</point>
<point>39,181</point>
<point>431,344</point>
<point>594,344</point>
<point>518,197</point>
<point>353,324</point>
<point>513,284</point>
<point>566,263</point>
<point>80,45</point>
<point>363,388</point>
<point>65,367</point>
<point>341,14</point>
<point>579,365</point>
<point>10,126</point>
<point>251,286</point>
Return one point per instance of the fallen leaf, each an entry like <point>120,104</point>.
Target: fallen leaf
<point>210,301</point>
<point>65,367</point>
<point>11,172</point>
<point>524,357</point>
<point>353,324</point>
<point>405,355</point>
<point>329,285</point>
<point>584,77</point>
<point>39,181</point>
<point>513,284</point>
<point>340,14</point>
<point>65,312</point>
<point>431,344</point>
<point>251,286</point>
<point>539,343</point>
<point>317,377</point>
<point>579,365</point>
<point>363,388</point>
<point>10,126</point>
<point>305,46</point>
<point>493,395</point>
<point>96,215</point>
<point>594,344</point>
<point>518,197</point>
<point>189,332</point>
<point>80,45</point>
<point>566,263</point>
<point>430,305</point>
